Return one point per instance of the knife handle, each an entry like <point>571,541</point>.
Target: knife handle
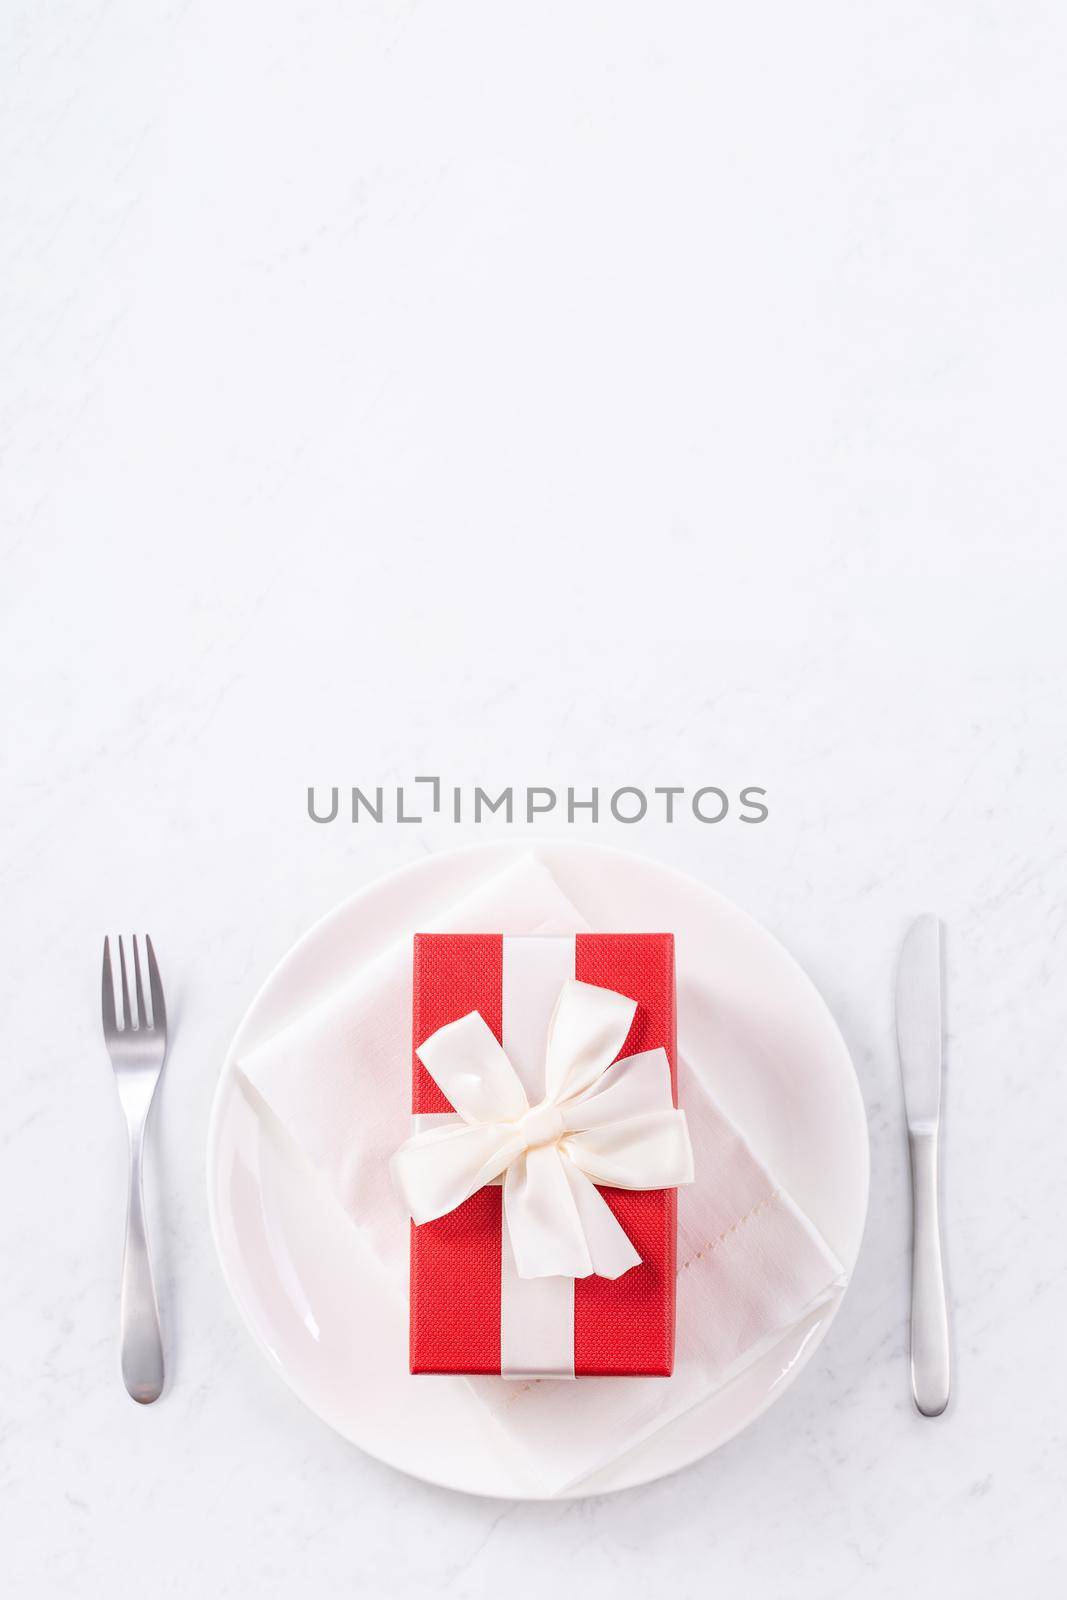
<point>929,1307</point>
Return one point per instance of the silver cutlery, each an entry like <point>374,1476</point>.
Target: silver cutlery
<point>137,1050</point>
<point>919,1017</point>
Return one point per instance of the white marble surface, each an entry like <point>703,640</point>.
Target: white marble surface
<point>562,394</point>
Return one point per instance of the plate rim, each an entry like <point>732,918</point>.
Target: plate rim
<point>822,1320</point>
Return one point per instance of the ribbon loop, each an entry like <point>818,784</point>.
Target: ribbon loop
<point>588,1029</point>
<point>603,1120</point>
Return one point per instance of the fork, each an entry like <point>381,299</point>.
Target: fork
<point>137,1054</point>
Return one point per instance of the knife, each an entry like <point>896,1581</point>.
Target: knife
<point>919,1045</point>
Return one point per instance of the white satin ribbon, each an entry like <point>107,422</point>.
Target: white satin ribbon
<point>601,1121</point>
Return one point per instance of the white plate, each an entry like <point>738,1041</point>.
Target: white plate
<point>750,1022</point>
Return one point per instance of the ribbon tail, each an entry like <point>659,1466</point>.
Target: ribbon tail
<point>609,1245</point>
<point>543,1221</point>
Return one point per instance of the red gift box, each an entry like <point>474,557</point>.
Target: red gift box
<point>622,1326</point>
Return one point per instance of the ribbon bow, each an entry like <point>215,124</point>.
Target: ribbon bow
<point>601,1121</point>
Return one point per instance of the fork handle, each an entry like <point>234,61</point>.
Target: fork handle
<point>142,1343</point>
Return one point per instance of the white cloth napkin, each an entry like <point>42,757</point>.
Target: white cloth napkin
<point>750,1264</point>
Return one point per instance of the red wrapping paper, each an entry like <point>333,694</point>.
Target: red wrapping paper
<point>622,1327</point>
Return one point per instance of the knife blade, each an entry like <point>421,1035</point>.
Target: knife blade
<point>919,1021</point>
<point>919,1044</point>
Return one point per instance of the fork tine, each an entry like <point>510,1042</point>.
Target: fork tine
<point>107,992</point>
<point>159,1010</point>
<point>127,1019</point>
<point>142,1015</point>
